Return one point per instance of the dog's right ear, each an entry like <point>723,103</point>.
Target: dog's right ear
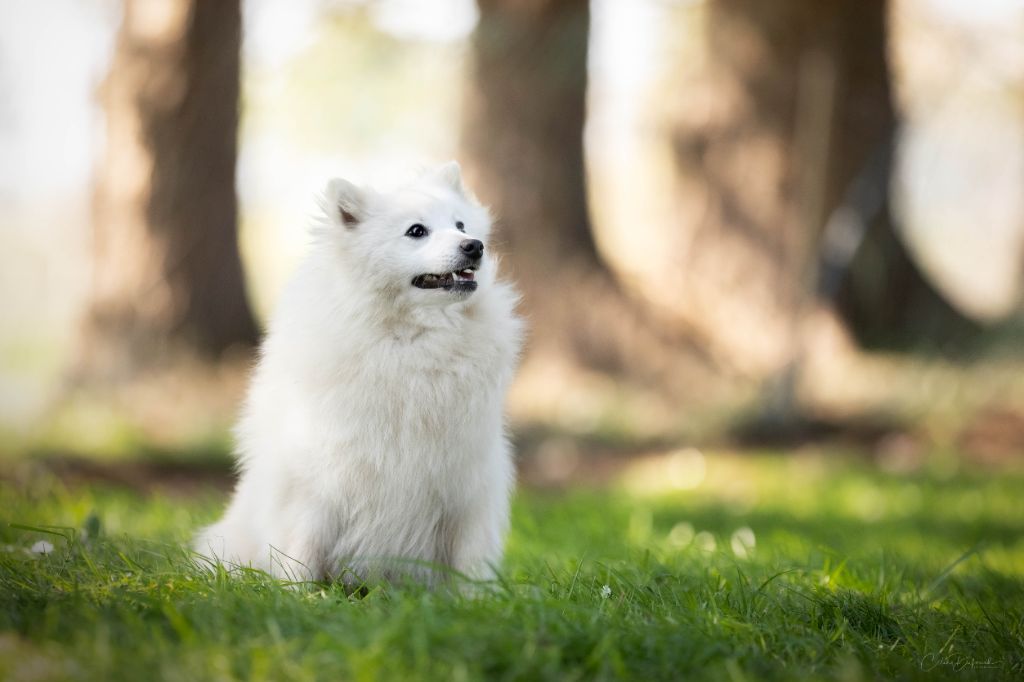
<point>345,202</point>
<point>451,174</point>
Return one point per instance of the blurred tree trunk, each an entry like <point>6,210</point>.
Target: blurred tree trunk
<point>888,303</point>
<point>523,143</point>
<point>526,133</point>
<point>168,276</point>
<point>794,103</point>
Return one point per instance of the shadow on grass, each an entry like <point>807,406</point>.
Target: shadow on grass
<point>151,469</point>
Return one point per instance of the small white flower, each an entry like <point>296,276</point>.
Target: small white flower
<point>606,592</point>
<point>42,547</point>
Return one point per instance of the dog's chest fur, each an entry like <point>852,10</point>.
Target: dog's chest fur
<point>393,434</point>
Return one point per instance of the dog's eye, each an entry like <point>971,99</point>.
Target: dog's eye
<point>417,231</point>
<point>459,226</point>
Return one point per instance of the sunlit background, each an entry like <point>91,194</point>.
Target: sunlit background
<point>372,91</point>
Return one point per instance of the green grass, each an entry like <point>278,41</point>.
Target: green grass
<point>762,568</point>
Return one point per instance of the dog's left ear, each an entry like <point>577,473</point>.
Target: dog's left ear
<point>345,202</point>
<point>451,175</point>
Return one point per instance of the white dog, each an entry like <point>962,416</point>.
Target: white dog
<point>372,441</point>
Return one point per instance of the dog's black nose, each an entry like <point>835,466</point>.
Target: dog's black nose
<point>474,248</point>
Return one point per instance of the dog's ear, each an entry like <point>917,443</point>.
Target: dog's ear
<point>345,202</point>
<point>451,175</point>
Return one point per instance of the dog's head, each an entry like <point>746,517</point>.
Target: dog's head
<point>425,242</point>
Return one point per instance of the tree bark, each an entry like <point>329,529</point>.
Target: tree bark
<point>524,133</point>
<point>168,275</point>
<point>794,104</point>
<point>523,144</point>
<point>889,304</point>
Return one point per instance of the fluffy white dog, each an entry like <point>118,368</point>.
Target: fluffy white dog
<point>372,444</point>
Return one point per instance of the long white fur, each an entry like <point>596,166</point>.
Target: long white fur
<point>372,441</point>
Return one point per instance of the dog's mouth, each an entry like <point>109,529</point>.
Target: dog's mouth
<point>457,280</point>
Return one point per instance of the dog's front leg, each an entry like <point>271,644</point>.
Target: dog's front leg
<point>479,543</point>
<point>300,557</point>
